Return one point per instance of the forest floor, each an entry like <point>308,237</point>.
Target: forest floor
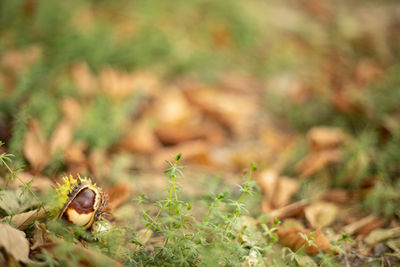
<point>294,101</point>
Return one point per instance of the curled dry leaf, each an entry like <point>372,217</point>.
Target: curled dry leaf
<point>35,147</point>
<point>14,243</point>
<point>292,239</point>
<point>140,138</point>
<point>316,161</point>
<point>291,210</point>
<point>23,220</point>
<point>363,226</point>
<point>118,194</point>
<point>321,214</point>
<point>41,237</point>
<point>278,190</point>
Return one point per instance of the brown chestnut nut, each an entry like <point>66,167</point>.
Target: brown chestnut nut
<point>85,202</point>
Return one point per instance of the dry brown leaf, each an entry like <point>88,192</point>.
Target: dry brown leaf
<point>235,111</point>
<point>35,147</point>
<point>292,239</point>
<point>23,220</point>
<point>172,135</point>
<point>291,210</point>
<point>380,235</point>
<point>174,109</point>
<point>41,183</point>
<point>118,194</point>
<point>62,136</point>
<point>286,187</point>
<point>322,138</point>
<point>41,238</point>
<point>85,257</point>
<point>71,110</point>
<point>316,161</point>
<point>267,182</point>
<point>321,214</point>
<point>14,243</point>
<point>18,60</point>
<point>117,83</point>
<point>84,79</point>
<point>194,151</point>
<point>337,196</point>
<point>76,159</point>
<point>278,190</point>
<point>140,138</point>
<point>363,226</point>
<point>99,163</point>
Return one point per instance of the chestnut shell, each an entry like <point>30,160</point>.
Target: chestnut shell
<point>84,206</point>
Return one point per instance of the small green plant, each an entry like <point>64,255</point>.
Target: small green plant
<point>187,240</point>
<point>5,160</point>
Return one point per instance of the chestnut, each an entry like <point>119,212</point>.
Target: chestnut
<point>84,203</point>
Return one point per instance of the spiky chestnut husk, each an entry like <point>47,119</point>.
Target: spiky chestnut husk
<point>80,201</point>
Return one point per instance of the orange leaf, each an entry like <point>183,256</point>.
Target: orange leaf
<point>118,194</point>
<point>292,239</point>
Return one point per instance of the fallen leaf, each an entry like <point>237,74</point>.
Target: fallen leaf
<point>35,147</point>
<point>19,60</point>
<point>84,79</point>
<point>337,195</point>
<point>223,107</point>
<point>379,235</point>
<point>23,220</point>
<point>278,190</point>
<point>322,138</point>
<point>140,138</point>
<point>85,257</point>
<point>174,109</point>
<point>99,163</point>
<point>62,136</point>
<point>285,189</point>
<point>171,135</point>
<point>40,183</point>
<point>369,223</point>
<point>13,241</point>
<point>291,210</point>
<point>194,151</point>
<point>316,161</point>
<point>117,83</point>
<point>75,158</point>
<point>118,194</point>
<point>292,239</point>
<point>321,214</point>
<point>13,202</point>
<point>41,237</point>
<point>71,110</point>
<point>144,235</point>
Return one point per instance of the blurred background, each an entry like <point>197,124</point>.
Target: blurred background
<point>306,89</point>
